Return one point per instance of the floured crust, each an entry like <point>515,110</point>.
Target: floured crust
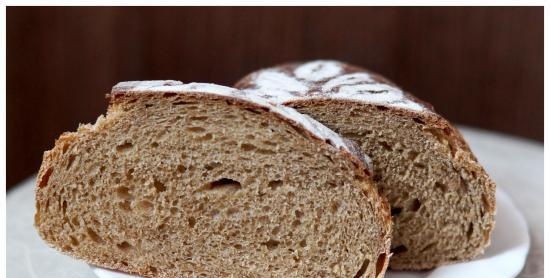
<point>305,122</point>
<point>328,79</point>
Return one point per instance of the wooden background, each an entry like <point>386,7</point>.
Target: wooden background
<point>479,66</point>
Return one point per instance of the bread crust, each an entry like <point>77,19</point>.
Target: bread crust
<point>117,97</point>
<point>315,94</point>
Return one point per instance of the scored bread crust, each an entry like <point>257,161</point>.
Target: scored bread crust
<point>331,83</point>
<point>309,127</point>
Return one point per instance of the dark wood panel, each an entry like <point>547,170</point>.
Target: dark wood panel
<point>479,66</point>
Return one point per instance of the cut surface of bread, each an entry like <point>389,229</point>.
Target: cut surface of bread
<point>442,201</point>
<point>199,180</point>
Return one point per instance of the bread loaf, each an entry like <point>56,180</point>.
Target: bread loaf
<point>188,180</point>
<point>442,201</point>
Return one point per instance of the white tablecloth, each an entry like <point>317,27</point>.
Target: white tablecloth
<point>514,163</point>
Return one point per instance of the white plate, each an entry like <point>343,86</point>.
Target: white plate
<point>503,259</point>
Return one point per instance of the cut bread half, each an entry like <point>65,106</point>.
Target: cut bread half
<point>443,202</point>
<point>189,180</point>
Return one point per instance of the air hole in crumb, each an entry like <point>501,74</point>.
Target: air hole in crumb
<point>93,235</point>
<point>191,221</point>
<point>399,249</point>
<point>123,192</point>
<point>223,184</point>
<point>412,155</point>
<point>231,211</point>
<point>380,262</point>
<point>198,118</point>
<point>418,120</point>
<point>162,227</point>
<point>145,205</point>
<point>206,137</point>
<point>382,108</point>
<point>264,124</point>
<point>124,147</point>
<point>271,244</point>
<point>196,129</point>
<point>65,147</point>
<point>64,207</point>
<point>296,223</point>
<point>45,178</point>
<point>441,186</point>
<point>247,147</point>
<point>275,184</point>
<point>334,206</point>
<point>298,214</point>
<point>73,241</point>
<point>419,165</point>
<point>414,205</point>
<point>212,165</point>
<point>75,221</point>
<point>124,263</point>
<point>71,160</point>
<point>470,230</point>
<point>154,144</point>
<point>238,246</point>
<point>396,211</point>
<point>174,210</point>
<point>363,269</point>
<point>182,103</point>
<point>124,246</point>
<point>152,269</point>
<point>269,143</point>
<point>148,105</point>
<point>303,243</point>
<point>159,186</point>
<point>180,168</point>
<point>129,174</point>
<point>265,151</point>
<point>385,145</point>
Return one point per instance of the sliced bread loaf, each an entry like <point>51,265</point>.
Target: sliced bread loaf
<point>443,202</point>
<point>187,180</point>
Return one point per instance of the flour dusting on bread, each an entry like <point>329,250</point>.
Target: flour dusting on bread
<point>328,79</point>
<point>303,120</point>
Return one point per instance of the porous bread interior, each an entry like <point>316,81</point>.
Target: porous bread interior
<point>180,187</point>
<point>442,208</point>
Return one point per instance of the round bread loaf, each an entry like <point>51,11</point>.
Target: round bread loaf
<point>443,202</point>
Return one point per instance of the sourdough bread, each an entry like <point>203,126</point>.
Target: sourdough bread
<point>443,202</point>
<point>186,180</point>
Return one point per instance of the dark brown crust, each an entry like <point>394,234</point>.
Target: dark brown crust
<point>115,98</point>
<point>462,156</point>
